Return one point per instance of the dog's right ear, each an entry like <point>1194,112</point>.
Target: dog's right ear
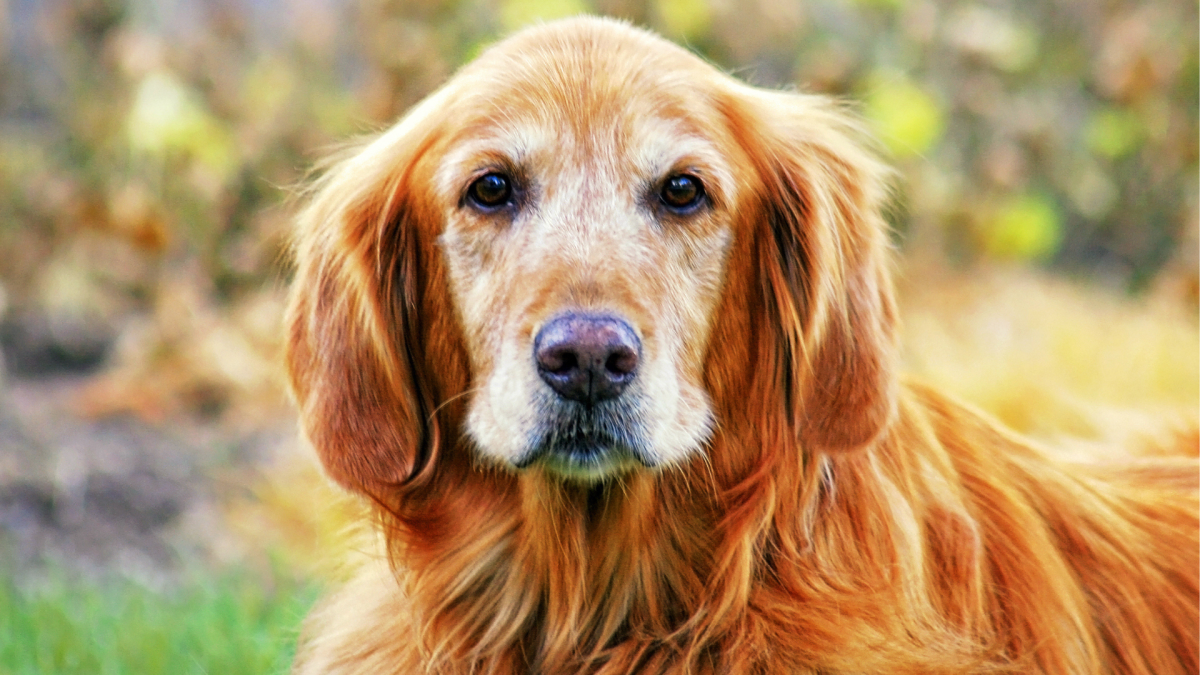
<point>823,261</point>
<point>359,318</point>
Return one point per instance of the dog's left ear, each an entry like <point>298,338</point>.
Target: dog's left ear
<point>372,350</point>
<point>824,264</point>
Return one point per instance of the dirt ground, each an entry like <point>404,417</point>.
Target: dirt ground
<point>117,494</point>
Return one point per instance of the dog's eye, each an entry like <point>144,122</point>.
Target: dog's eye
<point>682,193</point>
<point>490,191</point>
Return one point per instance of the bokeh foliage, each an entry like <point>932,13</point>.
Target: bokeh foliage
<point>147,148</point>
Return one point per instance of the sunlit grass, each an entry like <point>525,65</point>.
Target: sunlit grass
<point>230,623</point>
<point>1052,357</point>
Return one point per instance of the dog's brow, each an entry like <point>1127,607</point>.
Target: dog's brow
<point>511,144</point>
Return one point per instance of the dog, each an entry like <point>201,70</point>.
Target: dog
<point>607,340</point>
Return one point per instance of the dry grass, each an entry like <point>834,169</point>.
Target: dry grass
<point>1051,357</point>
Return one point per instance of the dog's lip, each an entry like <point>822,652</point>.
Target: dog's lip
<point>586,442</point>
<point>588,453</point>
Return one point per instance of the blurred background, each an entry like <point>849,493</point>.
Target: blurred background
<point>1047,218</point>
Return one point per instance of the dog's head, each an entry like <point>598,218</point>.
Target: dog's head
<point>590,252</point>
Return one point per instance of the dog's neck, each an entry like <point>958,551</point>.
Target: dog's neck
<point>547,571</point>
<point>556,572</point>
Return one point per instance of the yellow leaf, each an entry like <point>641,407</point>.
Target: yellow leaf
<point>267,87</point>
<point>684,19</point>
<point>882,4</point>
<point>1025,228</point>
<point>1114,132</point>
<point>907,119</point>
<point>519,13</point>
<point>1008,44</point>
<point>167,117</point>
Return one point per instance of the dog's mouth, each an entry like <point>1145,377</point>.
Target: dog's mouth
<point>587,442</point>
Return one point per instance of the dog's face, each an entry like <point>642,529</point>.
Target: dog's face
<point>588,218</point>
<point>590,252</point>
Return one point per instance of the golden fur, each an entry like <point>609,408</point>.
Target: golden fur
<point>793,507</point>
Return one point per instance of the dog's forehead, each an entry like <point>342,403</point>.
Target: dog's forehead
<point>594,76</point>
<point>586,93</point>
<point>597,60</point>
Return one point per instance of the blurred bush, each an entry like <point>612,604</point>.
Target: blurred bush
<point>147,149</point>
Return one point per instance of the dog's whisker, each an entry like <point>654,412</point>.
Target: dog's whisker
<point>463,394</point>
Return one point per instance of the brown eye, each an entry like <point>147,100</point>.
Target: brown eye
<point>682,193</point>
<point>490,191</point>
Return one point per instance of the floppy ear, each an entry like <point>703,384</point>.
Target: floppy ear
<point>823,256</point>
<point>361,314</point>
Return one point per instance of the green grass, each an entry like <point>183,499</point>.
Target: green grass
<point>231,624</point>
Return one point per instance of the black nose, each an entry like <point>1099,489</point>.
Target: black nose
<point>587,358</point>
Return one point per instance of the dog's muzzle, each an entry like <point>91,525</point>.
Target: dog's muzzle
<point>589,425</point>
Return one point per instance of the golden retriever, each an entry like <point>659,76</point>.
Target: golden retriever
<point>608,340</point>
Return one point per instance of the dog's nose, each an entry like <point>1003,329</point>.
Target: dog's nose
<point>587,358</point>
